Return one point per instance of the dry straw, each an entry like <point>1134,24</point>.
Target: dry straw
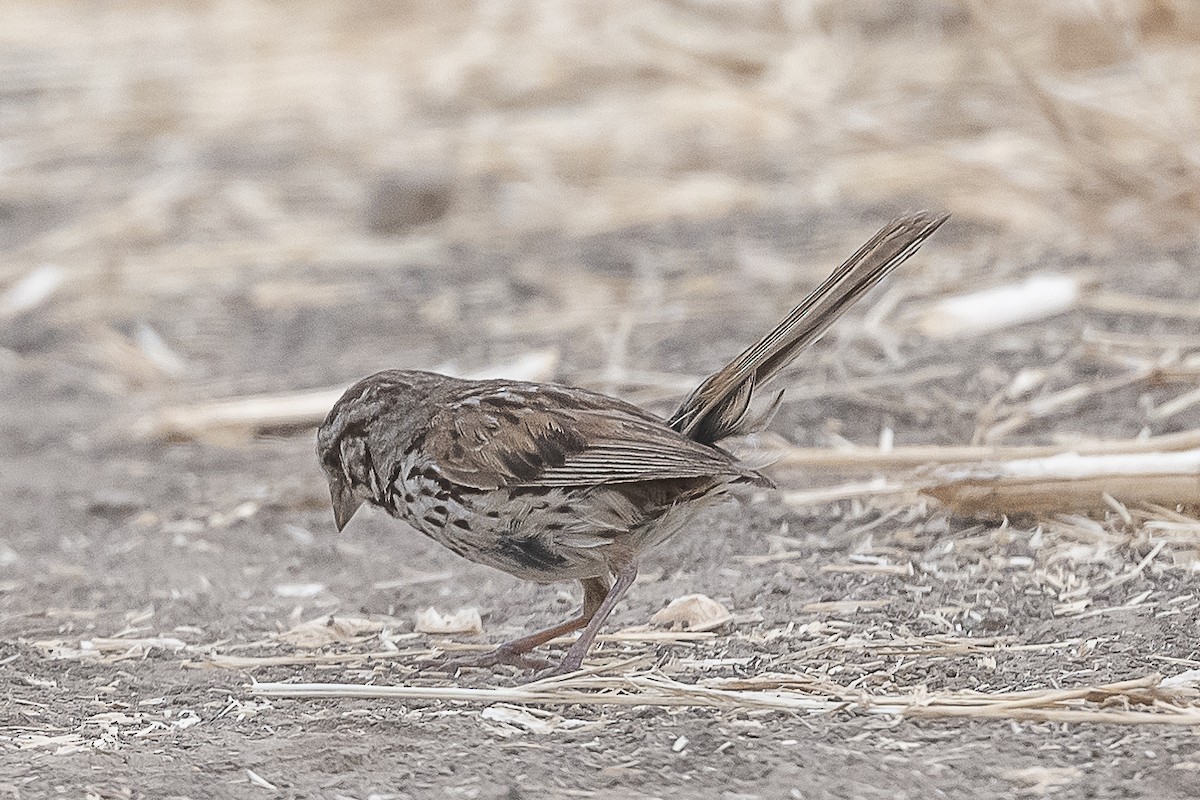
<point>1144,700</point>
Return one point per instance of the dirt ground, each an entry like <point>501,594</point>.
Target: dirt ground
<point>222,547</point>
<point>148,582</point>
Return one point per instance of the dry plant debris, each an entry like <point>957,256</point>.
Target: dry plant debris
<point>692,612</point>
<point>237,418</point>
<point>328,630</point>
<point>1069,482</point>
<point>1038,297</point>
<point>465,620</point>
<point>1144,700</point>
<point>867,459</point>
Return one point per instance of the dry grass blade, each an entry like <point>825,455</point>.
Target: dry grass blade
<point>1044,406</point>
<point>990,310</point>
<point>1083,704</point>
<point>222,661</point>
<point>239,417</point>
<point>901,458</point>
<point>849,491</point>
<point>1069,483</point>
<point>215,660</point>
<point>1176,405</point>
<point>1117,303</point>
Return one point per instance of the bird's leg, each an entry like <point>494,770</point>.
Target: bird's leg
<point>573,660</point>
<point>516,652</point>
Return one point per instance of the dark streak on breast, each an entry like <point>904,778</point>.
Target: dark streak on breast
<point>531,554</point>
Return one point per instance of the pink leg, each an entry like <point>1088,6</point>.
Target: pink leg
<point>516,652</point>
<point>573,660</point>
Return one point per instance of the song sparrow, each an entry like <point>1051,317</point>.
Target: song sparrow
<point>553,483</point>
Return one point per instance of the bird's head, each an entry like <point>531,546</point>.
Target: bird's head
<point>366,433</point>
<point>342,451</point>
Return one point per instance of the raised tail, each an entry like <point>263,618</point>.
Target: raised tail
<point>718,407</point>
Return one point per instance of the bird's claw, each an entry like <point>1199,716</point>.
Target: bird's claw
<point>502,655</point>
<point>564,667</point>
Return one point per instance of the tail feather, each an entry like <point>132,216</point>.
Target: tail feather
<point>718,407</point>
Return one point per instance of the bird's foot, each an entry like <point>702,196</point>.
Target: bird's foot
<point>569,664</point>
<point>501,656</point>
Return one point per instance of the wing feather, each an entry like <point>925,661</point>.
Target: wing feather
<point>564,438</point>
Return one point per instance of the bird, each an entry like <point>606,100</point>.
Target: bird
<point>556,483</point>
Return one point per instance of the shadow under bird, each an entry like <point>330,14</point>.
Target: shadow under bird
<point>554,483</point>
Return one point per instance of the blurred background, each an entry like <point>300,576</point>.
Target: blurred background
<point>202,200</point>
<point>152,150</point>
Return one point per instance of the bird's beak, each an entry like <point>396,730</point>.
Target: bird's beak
<point>344,502</point>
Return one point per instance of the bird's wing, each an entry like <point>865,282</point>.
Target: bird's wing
<point>505,436</point>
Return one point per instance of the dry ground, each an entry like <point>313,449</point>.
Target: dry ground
<point>229,199</point>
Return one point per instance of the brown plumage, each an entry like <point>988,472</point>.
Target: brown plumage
<point>554,483</point>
